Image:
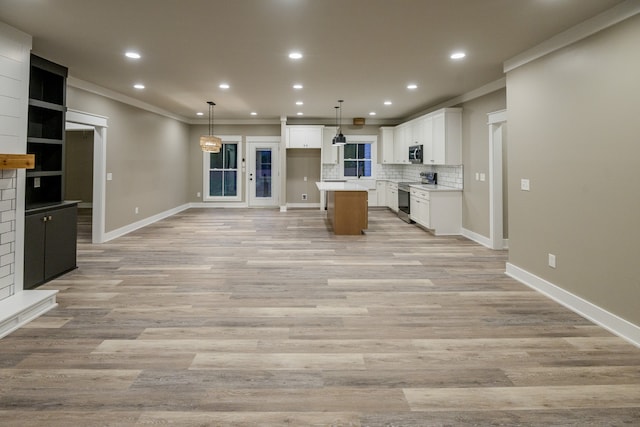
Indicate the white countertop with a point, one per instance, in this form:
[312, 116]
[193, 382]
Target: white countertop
[427, 187]
[340, 186]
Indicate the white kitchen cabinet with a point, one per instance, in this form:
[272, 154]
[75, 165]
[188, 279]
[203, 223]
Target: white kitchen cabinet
[381, 191]
[385, 145]
[304, 136]
[329, 151]
[438, 211]
[419, 202]
[446, 140]
[392, 196]
[401, 138]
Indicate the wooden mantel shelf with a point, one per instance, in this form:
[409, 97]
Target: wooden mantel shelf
[17, 161]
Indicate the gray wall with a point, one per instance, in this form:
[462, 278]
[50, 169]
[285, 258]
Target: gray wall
[303, 163]
[78, 162]
[475, 157]
[147, 154]
[574, 132]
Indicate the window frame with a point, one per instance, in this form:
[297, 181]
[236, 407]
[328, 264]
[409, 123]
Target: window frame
[206, 168]
[361, 139]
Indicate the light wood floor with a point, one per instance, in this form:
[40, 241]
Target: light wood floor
[256, 317]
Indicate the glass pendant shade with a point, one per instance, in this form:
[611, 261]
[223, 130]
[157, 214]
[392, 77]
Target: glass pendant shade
[210, 143]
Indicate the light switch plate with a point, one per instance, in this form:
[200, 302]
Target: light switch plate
[524, 184]
[483, 177]
[109, 176]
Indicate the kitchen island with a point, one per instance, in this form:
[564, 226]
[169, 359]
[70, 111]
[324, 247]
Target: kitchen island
[347, 207]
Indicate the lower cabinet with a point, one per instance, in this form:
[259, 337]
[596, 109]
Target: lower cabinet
[392, 196]
[438, 211]
[50, 243]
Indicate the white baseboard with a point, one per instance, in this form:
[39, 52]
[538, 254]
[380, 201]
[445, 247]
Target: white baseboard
[218, 205]
[584, 308]
[484, 241]
[478, 238]
[303, 205]
[21, 308]
[143, 223]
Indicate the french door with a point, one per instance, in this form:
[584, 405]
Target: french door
[263, 174]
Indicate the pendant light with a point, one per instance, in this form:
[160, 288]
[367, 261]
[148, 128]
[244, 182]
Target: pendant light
[210, 143]
[339, 139]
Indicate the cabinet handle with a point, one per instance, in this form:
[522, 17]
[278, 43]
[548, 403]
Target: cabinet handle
[50, 218]
[44, 219]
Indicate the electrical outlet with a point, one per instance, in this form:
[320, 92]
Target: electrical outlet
[305, 179]
[524, 184]
[198, 194]
[137, 210]
[552, 261]
[36, 182]
[304, 197]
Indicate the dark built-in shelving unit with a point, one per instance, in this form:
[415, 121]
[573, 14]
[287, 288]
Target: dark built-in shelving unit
[50, 222]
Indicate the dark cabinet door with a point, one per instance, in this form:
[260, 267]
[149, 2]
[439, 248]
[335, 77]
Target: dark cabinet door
[60, 241]
[49, 244]
[34, 233]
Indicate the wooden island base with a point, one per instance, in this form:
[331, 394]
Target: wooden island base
[347, 211]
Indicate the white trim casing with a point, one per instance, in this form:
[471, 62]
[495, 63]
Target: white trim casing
[23, 307]
[584, 308]
[99, 125]
[496, 120]
[226, 139]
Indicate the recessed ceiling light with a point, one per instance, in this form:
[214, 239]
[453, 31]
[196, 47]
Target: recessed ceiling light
[458, 55]
[199, 113]
[297, 86]
[138, 86]
[295, 55]
[388, 102]
[300, 113]
[224, 86]
[253, 113]
[412, 86]
[132, 55]
[373, 113]
[299, 103]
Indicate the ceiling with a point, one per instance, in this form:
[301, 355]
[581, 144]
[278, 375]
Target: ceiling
[362, 51]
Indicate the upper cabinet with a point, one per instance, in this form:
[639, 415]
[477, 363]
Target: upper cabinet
[446, 144]
[439, 133]
[45, 133]
[385, 145]
[304, 136]
[329, 151]
[401, 142]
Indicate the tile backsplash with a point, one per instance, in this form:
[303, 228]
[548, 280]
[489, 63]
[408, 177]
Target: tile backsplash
[450, 176]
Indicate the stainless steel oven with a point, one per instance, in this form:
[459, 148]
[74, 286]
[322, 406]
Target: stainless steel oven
[404, 201]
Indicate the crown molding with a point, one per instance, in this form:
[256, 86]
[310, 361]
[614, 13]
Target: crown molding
[117, 96]
[581, 31]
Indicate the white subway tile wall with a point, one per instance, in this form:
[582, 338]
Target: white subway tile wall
[450, 176]
[7, 232]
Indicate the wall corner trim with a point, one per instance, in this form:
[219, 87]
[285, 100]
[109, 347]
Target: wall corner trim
[614, 324]
[574, 34]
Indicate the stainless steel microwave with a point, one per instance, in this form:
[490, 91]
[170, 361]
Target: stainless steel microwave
[415, 154]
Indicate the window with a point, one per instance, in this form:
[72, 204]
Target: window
[222, 175]
[357, 160]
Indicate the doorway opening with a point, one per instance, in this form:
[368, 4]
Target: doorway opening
[95, 131]
[498, 206]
